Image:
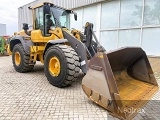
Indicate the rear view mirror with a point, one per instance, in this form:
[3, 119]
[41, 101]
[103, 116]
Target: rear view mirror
[46, 8]
[25, 26]
[75, 16]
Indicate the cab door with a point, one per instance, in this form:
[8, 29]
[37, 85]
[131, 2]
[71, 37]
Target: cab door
[39, 26]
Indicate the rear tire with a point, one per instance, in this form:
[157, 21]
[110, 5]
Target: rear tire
[20, 59]
[69, 65]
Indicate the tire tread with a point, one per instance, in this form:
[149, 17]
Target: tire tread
[73, 65]
[25, 67]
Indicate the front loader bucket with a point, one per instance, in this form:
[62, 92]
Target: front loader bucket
[121, 81]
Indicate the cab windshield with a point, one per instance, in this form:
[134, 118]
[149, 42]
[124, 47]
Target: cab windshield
[60, 16]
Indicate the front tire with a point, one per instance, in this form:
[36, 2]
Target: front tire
[61, 65]
[20, 59]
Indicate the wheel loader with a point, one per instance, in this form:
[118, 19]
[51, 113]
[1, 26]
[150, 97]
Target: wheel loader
[3, 47]
[118, 80]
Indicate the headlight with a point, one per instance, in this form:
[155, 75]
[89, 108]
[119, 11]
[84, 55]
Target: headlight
[52, 28]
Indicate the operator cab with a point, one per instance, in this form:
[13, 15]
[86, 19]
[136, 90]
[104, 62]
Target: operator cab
[49, 16]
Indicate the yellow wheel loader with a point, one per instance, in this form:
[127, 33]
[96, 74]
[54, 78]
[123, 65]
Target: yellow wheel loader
[3, 47]
[8, 46]
[118, 81]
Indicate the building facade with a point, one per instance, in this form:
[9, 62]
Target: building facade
[117, 23]
[2, 29]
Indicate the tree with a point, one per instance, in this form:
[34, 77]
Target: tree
[151, 15]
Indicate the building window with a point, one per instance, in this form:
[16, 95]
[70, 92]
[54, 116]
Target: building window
[131, 23]
[90, 15]
[87, 14]
[129, 38]
[151, 41]
[109, 40]
[109, 15]
[152, 12]
[124, 23]
[77, 24]
[131, 13]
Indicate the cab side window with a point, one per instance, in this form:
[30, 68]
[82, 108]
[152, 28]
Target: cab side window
[39, 23]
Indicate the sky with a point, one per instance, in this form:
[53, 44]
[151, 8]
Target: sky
[9, 14]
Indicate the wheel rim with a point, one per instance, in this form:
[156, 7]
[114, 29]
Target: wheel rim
[17, 58]
[54, 66]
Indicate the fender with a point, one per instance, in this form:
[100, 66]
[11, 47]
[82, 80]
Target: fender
[53, 42]
[77, 45]
[21, 39]
[80, 49]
